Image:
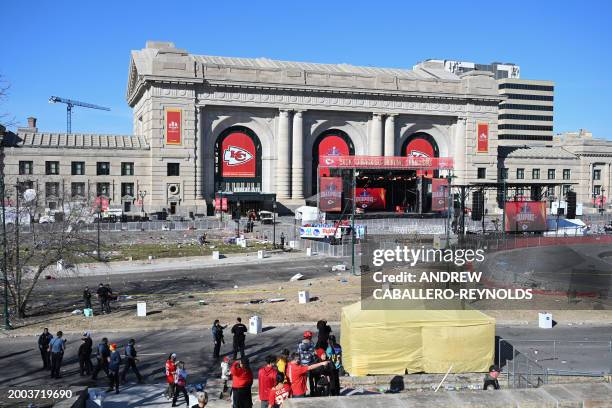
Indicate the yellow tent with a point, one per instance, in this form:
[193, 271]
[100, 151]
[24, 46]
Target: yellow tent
[392, 341]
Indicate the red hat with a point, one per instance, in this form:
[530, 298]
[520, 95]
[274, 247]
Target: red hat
[308, 334]
[113, 346]
[226, 359]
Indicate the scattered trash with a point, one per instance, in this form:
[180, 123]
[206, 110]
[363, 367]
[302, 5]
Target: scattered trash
[296, 277]
[343, 280]
[202, 303]
[276, 300]
[257, 301]
[77, 312]
[339, 267]
[190, 296]
[235, 286]
[49, 277]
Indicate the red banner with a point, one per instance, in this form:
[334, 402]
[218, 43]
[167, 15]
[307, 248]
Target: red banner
[439, 195]
[217, 203]
[101, 203]
[483, 138]
[371, 198]
[239, 156]
[600, 201]
[331, 145]
[173, 126]
[525, 216]
[387, 162]
[224, 204]
[420, 147]
[330, 199]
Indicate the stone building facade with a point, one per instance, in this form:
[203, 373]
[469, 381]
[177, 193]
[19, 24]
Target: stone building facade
[187, 108]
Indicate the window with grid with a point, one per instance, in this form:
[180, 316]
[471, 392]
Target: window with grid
[78, 168]
[173, 169]
[567, 174]
[551, 174]
[103, 168]
[127, 169]
[520, 174]
[127, 189]
[597, 174]
[482, 173]
[103, 189]
[26, 168]
[52, 189]
[51, 168]
[535, 174]
[77, 190]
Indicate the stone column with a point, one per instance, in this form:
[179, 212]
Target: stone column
[297, 160]
[459, 151]
[282, 156]
[390, 135]
[376, 137]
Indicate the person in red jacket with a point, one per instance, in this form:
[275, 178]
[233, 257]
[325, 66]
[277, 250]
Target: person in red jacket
[279, 393]
[267, 380]
[170, 370]
[298, 375]
[242, 380]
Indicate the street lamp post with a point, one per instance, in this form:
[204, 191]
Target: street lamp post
[238, 219]
[274, 224]
[142, 194]
[7, 322]
[601, 201]
[353, 235]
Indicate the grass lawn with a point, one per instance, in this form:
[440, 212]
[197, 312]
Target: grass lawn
[121, 252]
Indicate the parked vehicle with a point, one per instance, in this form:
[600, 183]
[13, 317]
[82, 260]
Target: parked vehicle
[266, 217]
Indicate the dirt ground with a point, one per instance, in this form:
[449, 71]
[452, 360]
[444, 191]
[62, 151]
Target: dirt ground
[328, 296]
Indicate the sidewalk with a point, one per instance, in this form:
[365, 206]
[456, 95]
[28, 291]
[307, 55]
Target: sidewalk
[183, 263]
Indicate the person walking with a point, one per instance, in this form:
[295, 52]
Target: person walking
[114, 363]
[43, 345]
[298, 373]
[239, 331]
[102, 355]
[282, 240]
[266, 379]
[170, 371]
[242, 380]
[180, 383]
[57, 346]
[130, 361]
[490, 379]
[87, 297]
[85, 367]
[217, 333]
[279, 393]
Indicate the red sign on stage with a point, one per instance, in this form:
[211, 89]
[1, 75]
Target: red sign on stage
[173, 126]
[331, 145]
[387, 162]
[220, 203]
[371, 198]
[439, 195]
[420, 147]
[224, 204]
[483, 138]
[525, 216]
[238, 155]
[330, 199]
[217, 203]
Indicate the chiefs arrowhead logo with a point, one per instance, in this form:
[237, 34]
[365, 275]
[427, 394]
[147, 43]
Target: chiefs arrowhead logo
[483, 136]
[416, 153]
[235, 156]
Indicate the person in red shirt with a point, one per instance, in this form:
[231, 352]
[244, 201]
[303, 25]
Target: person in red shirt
[267, 380]
[242, 380]
[279, 393]
[170, 370]
[298, 375]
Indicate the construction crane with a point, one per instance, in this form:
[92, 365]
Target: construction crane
[69, 105]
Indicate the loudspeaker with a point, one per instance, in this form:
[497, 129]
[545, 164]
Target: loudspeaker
[571, 204]
[477, 205]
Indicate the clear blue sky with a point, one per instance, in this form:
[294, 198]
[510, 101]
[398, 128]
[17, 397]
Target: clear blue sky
[81, 50]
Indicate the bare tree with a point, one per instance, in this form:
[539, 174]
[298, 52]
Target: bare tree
[6, 120]
[34, 250]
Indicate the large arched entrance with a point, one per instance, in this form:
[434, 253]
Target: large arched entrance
[332, 142]
[238, 173]
[421, 144]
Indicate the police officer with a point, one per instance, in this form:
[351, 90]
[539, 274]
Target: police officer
[217, 333]
[102, 355]
[56, 348]
[85, 349]
[87, 297]
[43, 345]
[130, 361]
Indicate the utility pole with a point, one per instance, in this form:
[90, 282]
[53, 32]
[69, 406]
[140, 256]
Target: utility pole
[274, 223]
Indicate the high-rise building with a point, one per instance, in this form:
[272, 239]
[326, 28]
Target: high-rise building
[527, 112]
